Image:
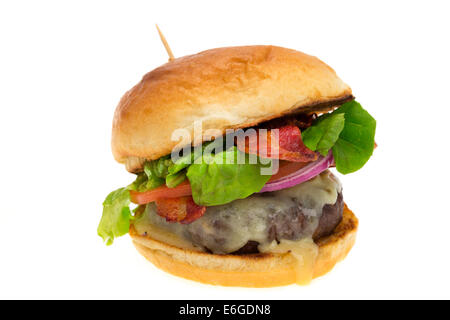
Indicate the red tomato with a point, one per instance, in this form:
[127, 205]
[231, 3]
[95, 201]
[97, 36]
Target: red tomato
[182, 190]
[286, 168]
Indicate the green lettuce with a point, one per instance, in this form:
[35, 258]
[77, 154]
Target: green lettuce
[178, 169]
[324, 133]
[349, 131]
[154, 175]
[174, 179]
[215, 182]
[116, 215]
[183, 162]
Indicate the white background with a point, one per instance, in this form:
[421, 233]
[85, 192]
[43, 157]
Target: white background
[64, 66]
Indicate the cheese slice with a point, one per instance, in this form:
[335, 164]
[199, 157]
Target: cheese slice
[304, 251]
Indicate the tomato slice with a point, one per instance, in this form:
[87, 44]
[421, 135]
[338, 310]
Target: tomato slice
[286, 168]
[182, 190]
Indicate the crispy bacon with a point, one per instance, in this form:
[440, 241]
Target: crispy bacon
[289, 147]
[182, 209]
[194, 211]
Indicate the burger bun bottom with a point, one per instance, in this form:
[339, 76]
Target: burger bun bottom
[251, 270]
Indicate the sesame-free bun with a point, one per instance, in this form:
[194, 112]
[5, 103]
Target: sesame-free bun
[232, 87]
[252, 270]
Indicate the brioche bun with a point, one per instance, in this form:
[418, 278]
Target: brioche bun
[252, 270]
[225, 88]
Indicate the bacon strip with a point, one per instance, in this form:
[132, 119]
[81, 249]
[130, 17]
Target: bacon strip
[289, 147]
[182, 209]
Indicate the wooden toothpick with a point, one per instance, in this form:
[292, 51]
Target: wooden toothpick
[166, 45]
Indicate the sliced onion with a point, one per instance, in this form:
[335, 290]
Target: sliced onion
[304, 174]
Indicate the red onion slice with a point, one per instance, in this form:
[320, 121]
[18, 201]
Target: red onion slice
[304, 174]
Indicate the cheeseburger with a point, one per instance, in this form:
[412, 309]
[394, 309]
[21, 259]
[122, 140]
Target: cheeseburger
[231, 149]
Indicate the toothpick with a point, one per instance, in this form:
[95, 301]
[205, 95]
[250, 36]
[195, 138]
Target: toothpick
[166, 45]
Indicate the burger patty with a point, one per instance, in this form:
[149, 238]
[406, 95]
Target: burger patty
[311, 209]
[290, 226]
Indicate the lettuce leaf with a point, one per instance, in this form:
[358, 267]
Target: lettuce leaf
[144, 183]
[216, 182]
[174, 179]
[116, 215]
[356, 141]
[324, 133]
[154, 175]
[352, 140]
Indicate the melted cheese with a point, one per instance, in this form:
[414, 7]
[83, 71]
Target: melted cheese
[227, 228]
[166, 236]
[305, 253]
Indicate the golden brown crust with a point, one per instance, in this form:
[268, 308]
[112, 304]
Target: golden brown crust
[253, 270]
[233, 87]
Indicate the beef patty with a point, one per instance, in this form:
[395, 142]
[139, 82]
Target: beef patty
[311, 209]
[291, 226]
